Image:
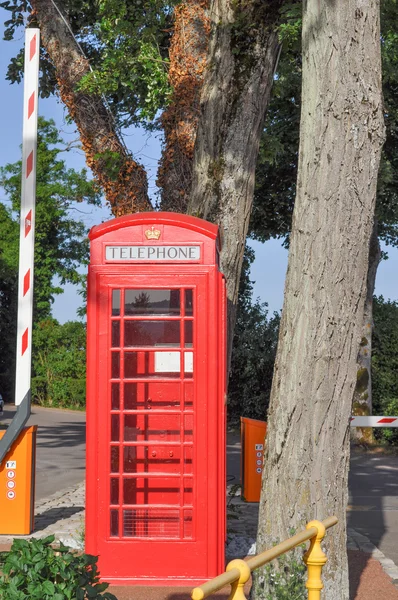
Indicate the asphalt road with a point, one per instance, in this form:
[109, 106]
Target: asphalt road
[373, 502]
[61, 446]
[373, 480]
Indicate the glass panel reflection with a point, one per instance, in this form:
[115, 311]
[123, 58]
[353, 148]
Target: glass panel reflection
[189, 303]
[114, 523]
[115, 368]
[152, 302]
[115, 303]
[115, 334]
[151, 427]
[115, 428]
[188, 333]
[114, 491]
[115, 396]
[114, 459]
[151, 395]
[151, 333]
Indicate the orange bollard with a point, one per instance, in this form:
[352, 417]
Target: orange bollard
[252, 457]
[17, 485]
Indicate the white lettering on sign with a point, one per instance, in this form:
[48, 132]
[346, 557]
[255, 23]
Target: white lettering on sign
[154, 253]
[11, 464]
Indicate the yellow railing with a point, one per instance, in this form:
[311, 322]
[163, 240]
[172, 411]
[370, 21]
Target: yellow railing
[238, 571]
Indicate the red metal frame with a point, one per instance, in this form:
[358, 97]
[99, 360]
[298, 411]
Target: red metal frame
[155, 497]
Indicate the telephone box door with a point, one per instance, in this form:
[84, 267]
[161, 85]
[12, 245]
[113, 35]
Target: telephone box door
[159, 417]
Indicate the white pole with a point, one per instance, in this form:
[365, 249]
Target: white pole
[27, 218]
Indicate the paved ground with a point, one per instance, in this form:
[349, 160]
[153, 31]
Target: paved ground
[372, 574]
[61, 447]
[373, 502]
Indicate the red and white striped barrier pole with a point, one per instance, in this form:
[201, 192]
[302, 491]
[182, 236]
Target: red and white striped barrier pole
[26, 242]
[374, 422]
[27, 219]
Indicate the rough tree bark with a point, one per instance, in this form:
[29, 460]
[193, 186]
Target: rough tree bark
[341, 136]
[123, 181]
[243, 53]
[362, 403]
[188, 54]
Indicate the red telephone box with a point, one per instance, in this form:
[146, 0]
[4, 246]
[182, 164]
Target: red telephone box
[155, 505]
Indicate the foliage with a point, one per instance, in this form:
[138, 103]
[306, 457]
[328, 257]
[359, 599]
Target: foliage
[278, 159]
[127, 46]
[8, 307]
[385, 364]
[59, 378]
[253, 356]
[34, 570]
[60, 241]
[285, 580]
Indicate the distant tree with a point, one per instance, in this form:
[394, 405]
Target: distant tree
[60, 364]
[385, 363]
[60, 242]
[60, 239]
[253, 354]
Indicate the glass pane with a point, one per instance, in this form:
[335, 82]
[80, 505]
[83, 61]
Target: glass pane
[151, 333]
[188, 393]
[130, 459]
[152, 459]
[158, 364]
[145, 396]
[114, 459]
[188, 492]
[152, 427]
[189, 303]
[188, 454]
[115, 303]
[188, 334]
[187, 533]
[188, 364]
[115, 373]
[151, 523]
[115, 396]
[114, 428]
[115, 334]
[157, 490]
[152, 302]
[129, 491]
[114, 523]
[188, 428]
[114, 491]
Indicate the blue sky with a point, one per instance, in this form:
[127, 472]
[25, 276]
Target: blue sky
[269, 268]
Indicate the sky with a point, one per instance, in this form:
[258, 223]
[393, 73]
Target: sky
[269, 268]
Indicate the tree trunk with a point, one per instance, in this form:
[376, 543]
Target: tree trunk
[362, 403]
[243, 53]
[341, 135]
[188, 53]
[123, 181]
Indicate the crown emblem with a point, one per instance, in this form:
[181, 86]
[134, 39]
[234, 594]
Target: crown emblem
[152, 233]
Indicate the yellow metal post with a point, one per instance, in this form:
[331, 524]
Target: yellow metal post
[315, 559]
[237, 586]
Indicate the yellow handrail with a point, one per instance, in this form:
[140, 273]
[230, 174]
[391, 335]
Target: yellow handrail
[238, 571]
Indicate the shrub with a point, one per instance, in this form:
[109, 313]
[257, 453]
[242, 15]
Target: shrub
[35, 570]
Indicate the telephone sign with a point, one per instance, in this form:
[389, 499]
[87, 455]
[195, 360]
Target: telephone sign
[155, 506]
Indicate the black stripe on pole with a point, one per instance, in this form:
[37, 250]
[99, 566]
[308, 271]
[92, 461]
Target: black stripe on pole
[16, 426]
